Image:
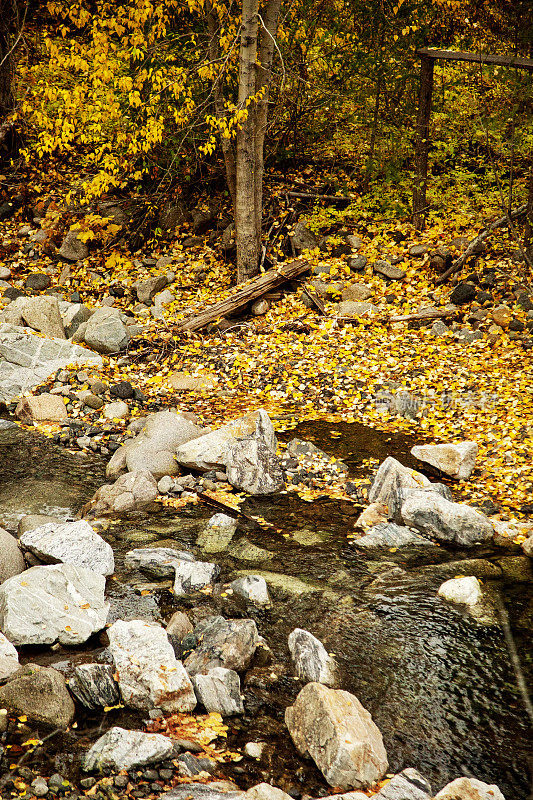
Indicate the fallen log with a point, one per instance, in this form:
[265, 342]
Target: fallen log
[436, 313]
[479, 239]
[313, 297]
[244, 294]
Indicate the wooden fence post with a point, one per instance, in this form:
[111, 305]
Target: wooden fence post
[422, 140]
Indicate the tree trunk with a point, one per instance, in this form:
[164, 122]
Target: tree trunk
[8, 25]
[246, 233]
[528, 230]
[422, 141]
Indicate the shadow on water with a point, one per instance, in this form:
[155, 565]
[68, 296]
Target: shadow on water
[439, 684]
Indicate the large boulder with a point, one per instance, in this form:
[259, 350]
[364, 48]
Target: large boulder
[120, 749]
[337, 732]
[252, 467]
[11, 558]
[105, 332]
[70, 543]
[312, 661]
[154, 449]
[219, 690]
[41, 694]
[469, 789]
[211, 450]
[456, 460]
[27, 360]
[59, 602]
[9, 659]
[149, 675]
[392, 476]
[433, 515]
[223, 643]
[131, 492]
[39, 313]
[41, 408]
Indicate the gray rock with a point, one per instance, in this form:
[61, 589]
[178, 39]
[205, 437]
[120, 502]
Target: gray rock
[223, 643]
[337, 732]
[131, 492]
[527, 546]
[39, 787]
[179, 625]
[210, 451]
[30, 521]
[9, 660]
[154, 448]
[41, 694]
[149, 675]
[157, 562]
[73, 315]
[118, 409]
[147, 290]
[469, 789]
[400, 495]
[389, 534]
[441, 519]
[264, 791]
[312, 661]
[253, 588]
[39, 313]
[217, 533]
[41, 408]
[357, 263]
[357, 292]
[120, 749]
[72, 249]
[201, 791]
[27, 360]
[70, 543]
[191, 576]
[11, 558]
[392, 476]
[407, 785]
[59, 602]
[94, 686]
[348, 308]
[219, 690]
[105, 331]
[303, 238]
[457, 460]
[386, 269]
[252, 467]
[418, 250]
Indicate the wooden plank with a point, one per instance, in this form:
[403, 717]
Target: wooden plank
[244, 294]
[422, 141]
[516, 62]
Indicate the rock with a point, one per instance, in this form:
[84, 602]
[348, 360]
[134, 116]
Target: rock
[469, 789]
[527, 546]
[37, 282]
[386, 269]
[72, 249]
[303, 238]
[105, 331]
[131, 492]
[418, 250]
[123, 390]
[39, 313]
[252, 467]
[260, 307]
[357, 263]
[149, 675]
[119, 749]
[41, 694]
[59, 602]
[154, 449]
[253, 588]
[223, 643]
[181, 382]
[456, 460]
[464, 591]
[179, 625]
[147, 290]
[27, 360]
[312, 661]
[502, 316]
[463, 293]
[357, 292]
[157, 562]
[432, 514]
[327, 290]
[392, 476]
[219, 690]
[265, 791]
[210, 450]
[349, 309]
[407, 785]
[254, 749]
[70, 543]
[372, 515]
[11, 558]
[9, 660]
[202, 791]
[400, 495]
[30, 521]
[191, 576]
[332, 727]
[41, 408]
[39, 787]
[94, 686]
[217, 533]
[389, 534]
[116, 410]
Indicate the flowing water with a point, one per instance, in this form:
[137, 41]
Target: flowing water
[439, 684]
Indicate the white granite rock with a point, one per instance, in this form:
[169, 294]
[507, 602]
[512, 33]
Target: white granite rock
[9, 659]
[312, 661]
[121, 749]
[463, 591]
[392, 476]
[158, 562]
[191, 576]
[219, 690]
[456, 460]
[252, 467]
[74, 543]
[433, 515]
[469, 789]
[253, 588]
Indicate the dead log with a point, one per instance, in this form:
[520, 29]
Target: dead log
[315, 299]
[244, 294]
[332, 198]
[424, 314]
[479, 239]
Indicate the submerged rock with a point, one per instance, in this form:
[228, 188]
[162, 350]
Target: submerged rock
[223, 643]
[253, 588]
[464, 591]
[432, 514]
[59, 602]
[312, 661]
[469, 789]
[219, 689]
[149, 675]
[94, 685]
[120, 749]
[217, 533]
[41, 694]
[338, 733]
[157, 562]
[70, 543]
[191, 576]
[456, 460]
[389, 534]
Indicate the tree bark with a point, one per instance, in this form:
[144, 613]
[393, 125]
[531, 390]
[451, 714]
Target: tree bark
[422, 141]
[246, 234]
[528, 230]
[8, 26]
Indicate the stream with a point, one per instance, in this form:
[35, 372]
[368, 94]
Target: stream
[439, 684]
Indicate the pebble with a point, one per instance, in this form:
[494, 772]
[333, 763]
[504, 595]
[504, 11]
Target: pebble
[39, 787]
